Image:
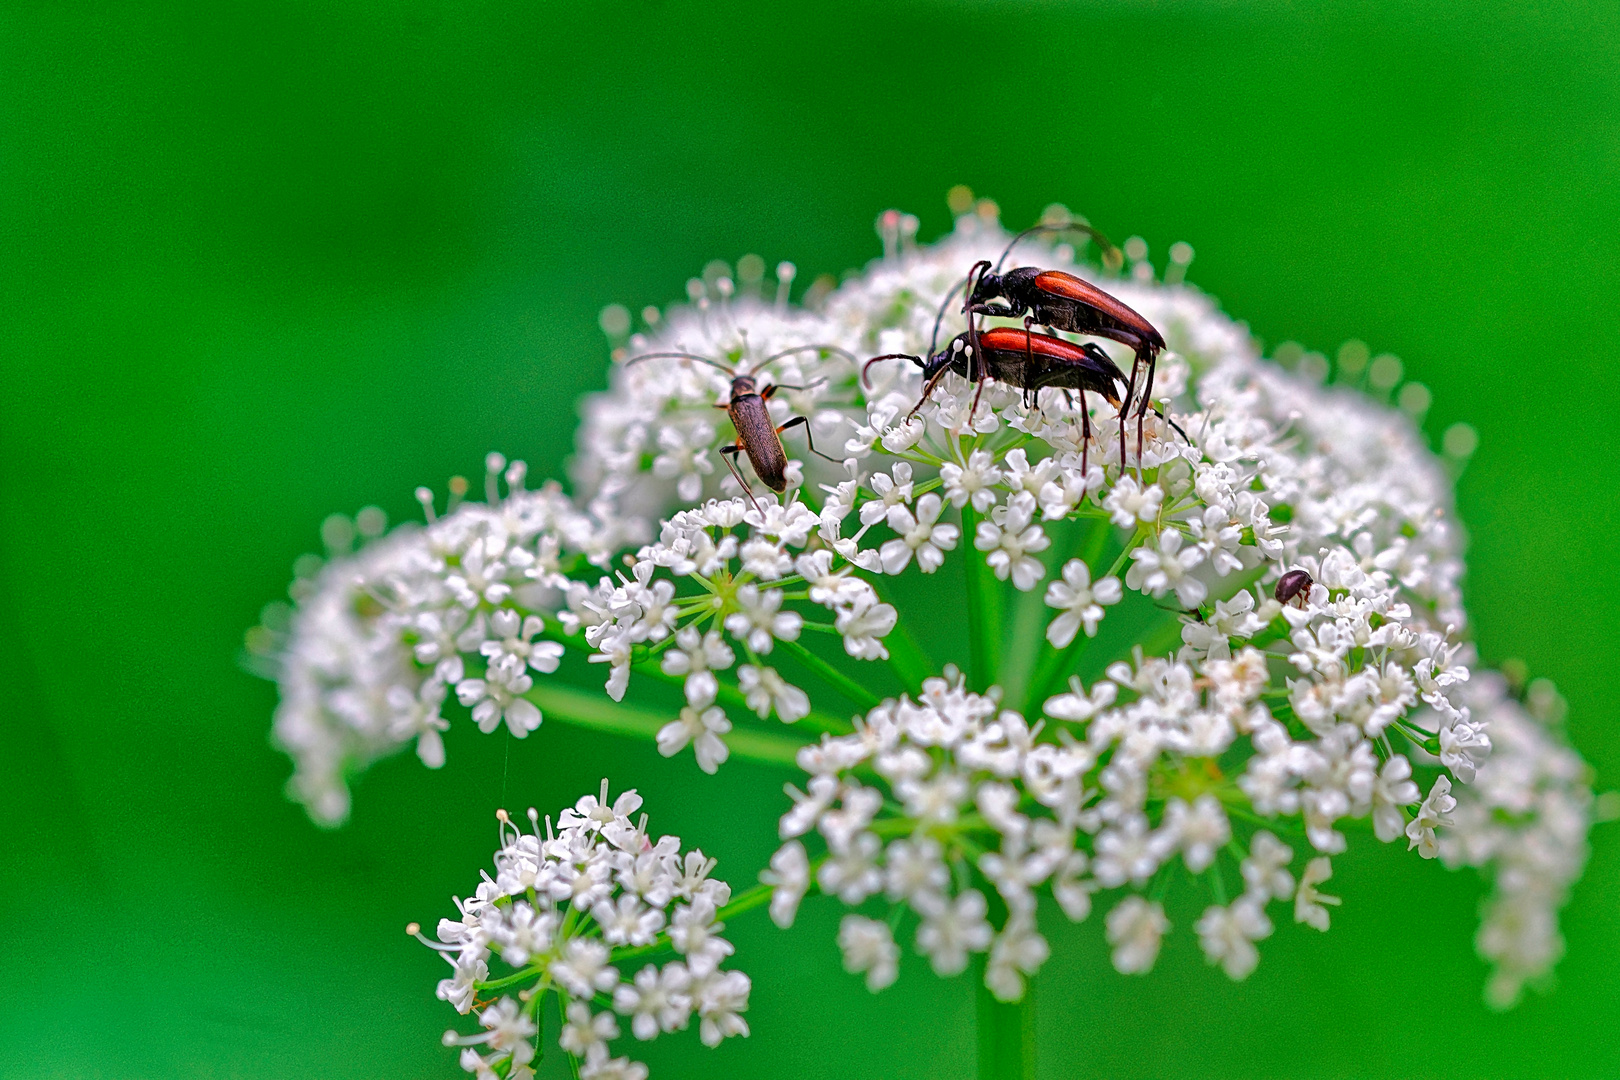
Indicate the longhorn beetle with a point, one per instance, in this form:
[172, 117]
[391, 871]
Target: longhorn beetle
[1024, 359]
[750, 415]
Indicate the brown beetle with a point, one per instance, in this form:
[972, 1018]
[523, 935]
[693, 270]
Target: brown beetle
[750, 414]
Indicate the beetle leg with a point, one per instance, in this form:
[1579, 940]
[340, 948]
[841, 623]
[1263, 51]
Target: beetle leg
[1124, 410]
[927, 389]
[795, 422]
[1000, 311]
[1085, 436]
[1030, 389]
[976, 395]
[1141, 410]
[729, 455]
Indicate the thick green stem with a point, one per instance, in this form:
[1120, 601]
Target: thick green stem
[1006, 1036]
[599, 714]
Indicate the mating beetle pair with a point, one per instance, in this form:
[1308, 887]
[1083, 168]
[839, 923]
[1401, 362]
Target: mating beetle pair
[1056, 301]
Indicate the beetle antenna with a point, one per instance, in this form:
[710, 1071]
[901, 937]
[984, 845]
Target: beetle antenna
[774, 357]
[1110, 252]
[933, 342]
[888, 356]
[679, 356]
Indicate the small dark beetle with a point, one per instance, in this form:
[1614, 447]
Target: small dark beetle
[757, 435]
[1294, 585]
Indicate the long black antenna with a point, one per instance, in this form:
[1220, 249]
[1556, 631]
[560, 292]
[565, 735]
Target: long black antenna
[774, 357]
[1112, 256]
[680, 356]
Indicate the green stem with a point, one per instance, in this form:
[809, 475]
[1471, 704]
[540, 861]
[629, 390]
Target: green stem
[906, 657]
[728, 695]
[984, 608]
[599, 714]
[1006, 1036]
[750, 898]
[845, 685]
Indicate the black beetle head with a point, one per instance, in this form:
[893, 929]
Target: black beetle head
[986, 285]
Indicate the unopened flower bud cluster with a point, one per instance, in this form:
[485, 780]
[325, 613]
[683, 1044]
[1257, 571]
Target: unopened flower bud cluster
[565, 913]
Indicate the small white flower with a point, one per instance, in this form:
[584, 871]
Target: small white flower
[695, 935]
[702, 728]
[1157, 570]
[915, 868]
[1227, 936]
[1308, 903]
[1199, 830]
[864, 624]
[852, 873]
[1135, 929]
[952, 928]
[1463, 746]
[698, 656]
[1210, 639]
[891, 493]
[1080, 601]
[656, 1001]
[598, 1066]
[583, 1032]
[764, 689]
[1127, 852]
[628, 922]
[583, 968]
[1011, 543]
[513, 634]
[761, 622]
[461, 989]
[1018, 951]
[1265, 873]
[498, 696]
[972, 482]
[789, 876]
[919, 535]
[869, 947]
[1435, 812]
[1393, 790]
[720, 1000]
[1130, 503]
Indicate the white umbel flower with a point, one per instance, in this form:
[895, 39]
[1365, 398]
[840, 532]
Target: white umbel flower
[518, 912]
[1341, 705]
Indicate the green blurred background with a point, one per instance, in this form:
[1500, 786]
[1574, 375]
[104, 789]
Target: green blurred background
[262, 262]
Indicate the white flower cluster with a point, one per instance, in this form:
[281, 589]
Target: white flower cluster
[380, 638]
[1524, 822]
[563, 910]
[481, 600]
[741, 588]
